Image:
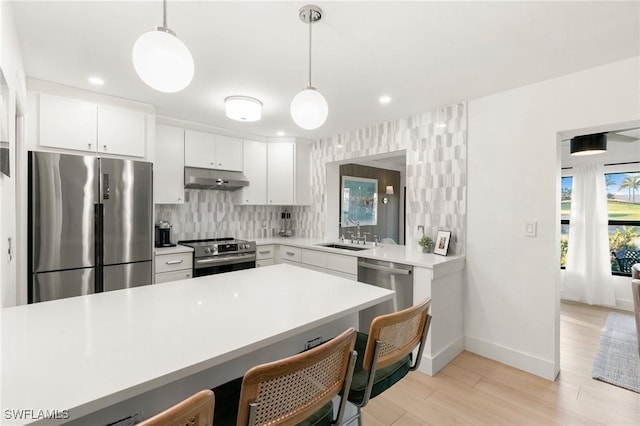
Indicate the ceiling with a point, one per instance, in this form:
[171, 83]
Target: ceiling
[623, 146]
[421, 54]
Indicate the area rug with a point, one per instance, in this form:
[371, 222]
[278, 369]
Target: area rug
[617, 361]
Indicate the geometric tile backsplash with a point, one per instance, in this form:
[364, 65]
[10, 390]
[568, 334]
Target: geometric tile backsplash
[436, 146]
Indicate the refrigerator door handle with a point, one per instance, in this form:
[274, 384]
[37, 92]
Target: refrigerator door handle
[105, 186]
[99, 216]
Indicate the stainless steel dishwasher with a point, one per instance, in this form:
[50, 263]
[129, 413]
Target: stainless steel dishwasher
[389, 275]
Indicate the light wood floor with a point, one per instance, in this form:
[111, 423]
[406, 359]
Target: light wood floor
[476, 390]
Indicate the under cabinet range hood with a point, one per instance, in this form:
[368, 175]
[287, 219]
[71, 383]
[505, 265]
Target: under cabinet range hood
[196, 178]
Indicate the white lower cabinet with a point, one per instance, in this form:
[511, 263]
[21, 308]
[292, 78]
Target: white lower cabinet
[173, 266]
[289, 254]
[265, 255]
[330, 263]
[165, 277]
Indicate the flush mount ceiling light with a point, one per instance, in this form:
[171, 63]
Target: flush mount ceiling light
[589, 144]
[243, 108]
[309, 109]
[161, 60]
[384, 99]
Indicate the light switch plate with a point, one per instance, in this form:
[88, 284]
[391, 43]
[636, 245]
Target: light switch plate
[530, 229]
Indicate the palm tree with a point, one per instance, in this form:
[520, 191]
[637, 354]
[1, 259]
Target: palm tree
[632, 183]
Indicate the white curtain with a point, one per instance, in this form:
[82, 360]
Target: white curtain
[588, 270]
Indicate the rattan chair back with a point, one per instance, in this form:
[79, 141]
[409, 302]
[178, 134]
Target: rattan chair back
[197, 410]
[288, 391]
[398, 334]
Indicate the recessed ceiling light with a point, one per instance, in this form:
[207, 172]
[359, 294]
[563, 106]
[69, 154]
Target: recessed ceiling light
[96, 81]
[280, 133]
[339, 146]
[385, 99]
[441, 125]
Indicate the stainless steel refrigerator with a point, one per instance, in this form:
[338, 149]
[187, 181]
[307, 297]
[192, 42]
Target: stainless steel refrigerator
[90, 225]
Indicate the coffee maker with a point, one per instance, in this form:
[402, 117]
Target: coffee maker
[163, 234]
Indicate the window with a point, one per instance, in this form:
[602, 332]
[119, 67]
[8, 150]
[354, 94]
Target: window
[623, 193]
[565, 215]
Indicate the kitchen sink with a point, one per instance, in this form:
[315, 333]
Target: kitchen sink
[343, 247]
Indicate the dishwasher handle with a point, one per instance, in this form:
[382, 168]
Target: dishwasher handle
[385, 268]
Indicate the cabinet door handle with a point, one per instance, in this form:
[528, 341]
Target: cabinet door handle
[89, 146]
[219, 164]
[265, 252]
[174, 262]
[105, 147]
[211, 164]
[290, 253]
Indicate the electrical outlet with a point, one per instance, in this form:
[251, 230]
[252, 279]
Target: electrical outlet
[313, 343]
[421, 228]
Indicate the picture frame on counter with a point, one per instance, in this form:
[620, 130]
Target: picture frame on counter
[442, 243]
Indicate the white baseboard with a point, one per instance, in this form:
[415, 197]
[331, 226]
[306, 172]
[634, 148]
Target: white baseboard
[431, 365]
[626, 305]
[522, 361]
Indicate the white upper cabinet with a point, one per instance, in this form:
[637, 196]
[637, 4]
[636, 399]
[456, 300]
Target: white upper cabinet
[84, 126]
[121, 131]
[67, 123]
[280, 173]
[199, 149]
[255, 169]
[229, 153]
[211, 151]
[168, 169]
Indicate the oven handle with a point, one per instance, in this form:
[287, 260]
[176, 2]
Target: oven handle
[227, 259]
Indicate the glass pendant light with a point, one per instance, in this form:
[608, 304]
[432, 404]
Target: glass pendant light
[162, 60]
[309, 109]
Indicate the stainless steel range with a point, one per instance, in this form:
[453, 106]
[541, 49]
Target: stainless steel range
[217, 255]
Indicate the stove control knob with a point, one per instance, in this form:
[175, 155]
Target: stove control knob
[207, 250]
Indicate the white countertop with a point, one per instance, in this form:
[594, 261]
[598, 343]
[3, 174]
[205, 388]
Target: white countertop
[87, 353]
[158, 251]
[441, 265]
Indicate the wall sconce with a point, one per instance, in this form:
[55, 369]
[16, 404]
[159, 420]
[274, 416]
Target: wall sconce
[389, 191]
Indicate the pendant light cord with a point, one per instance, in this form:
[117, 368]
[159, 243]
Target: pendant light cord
[164, 13]
[310, 24]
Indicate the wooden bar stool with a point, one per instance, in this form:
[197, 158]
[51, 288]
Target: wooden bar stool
[384, 356]
[294, 390]
[197, 410]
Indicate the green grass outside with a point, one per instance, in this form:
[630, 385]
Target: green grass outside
[623, 211]
[617, 210]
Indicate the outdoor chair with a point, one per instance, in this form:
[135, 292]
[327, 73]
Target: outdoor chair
[626, 258]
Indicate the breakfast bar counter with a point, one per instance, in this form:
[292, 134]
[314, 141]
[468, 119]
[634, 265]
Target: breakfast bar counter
[73, 357]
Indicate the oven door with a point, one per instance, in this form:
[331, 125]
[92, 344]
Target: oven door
[223, 263]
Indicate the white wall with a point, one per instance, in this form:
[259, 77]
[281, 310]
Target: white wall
[13, 69]
[512, 297]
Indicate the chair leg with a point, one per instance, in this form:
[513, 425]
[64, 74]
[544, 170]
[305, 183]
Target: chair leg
[359, 416]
